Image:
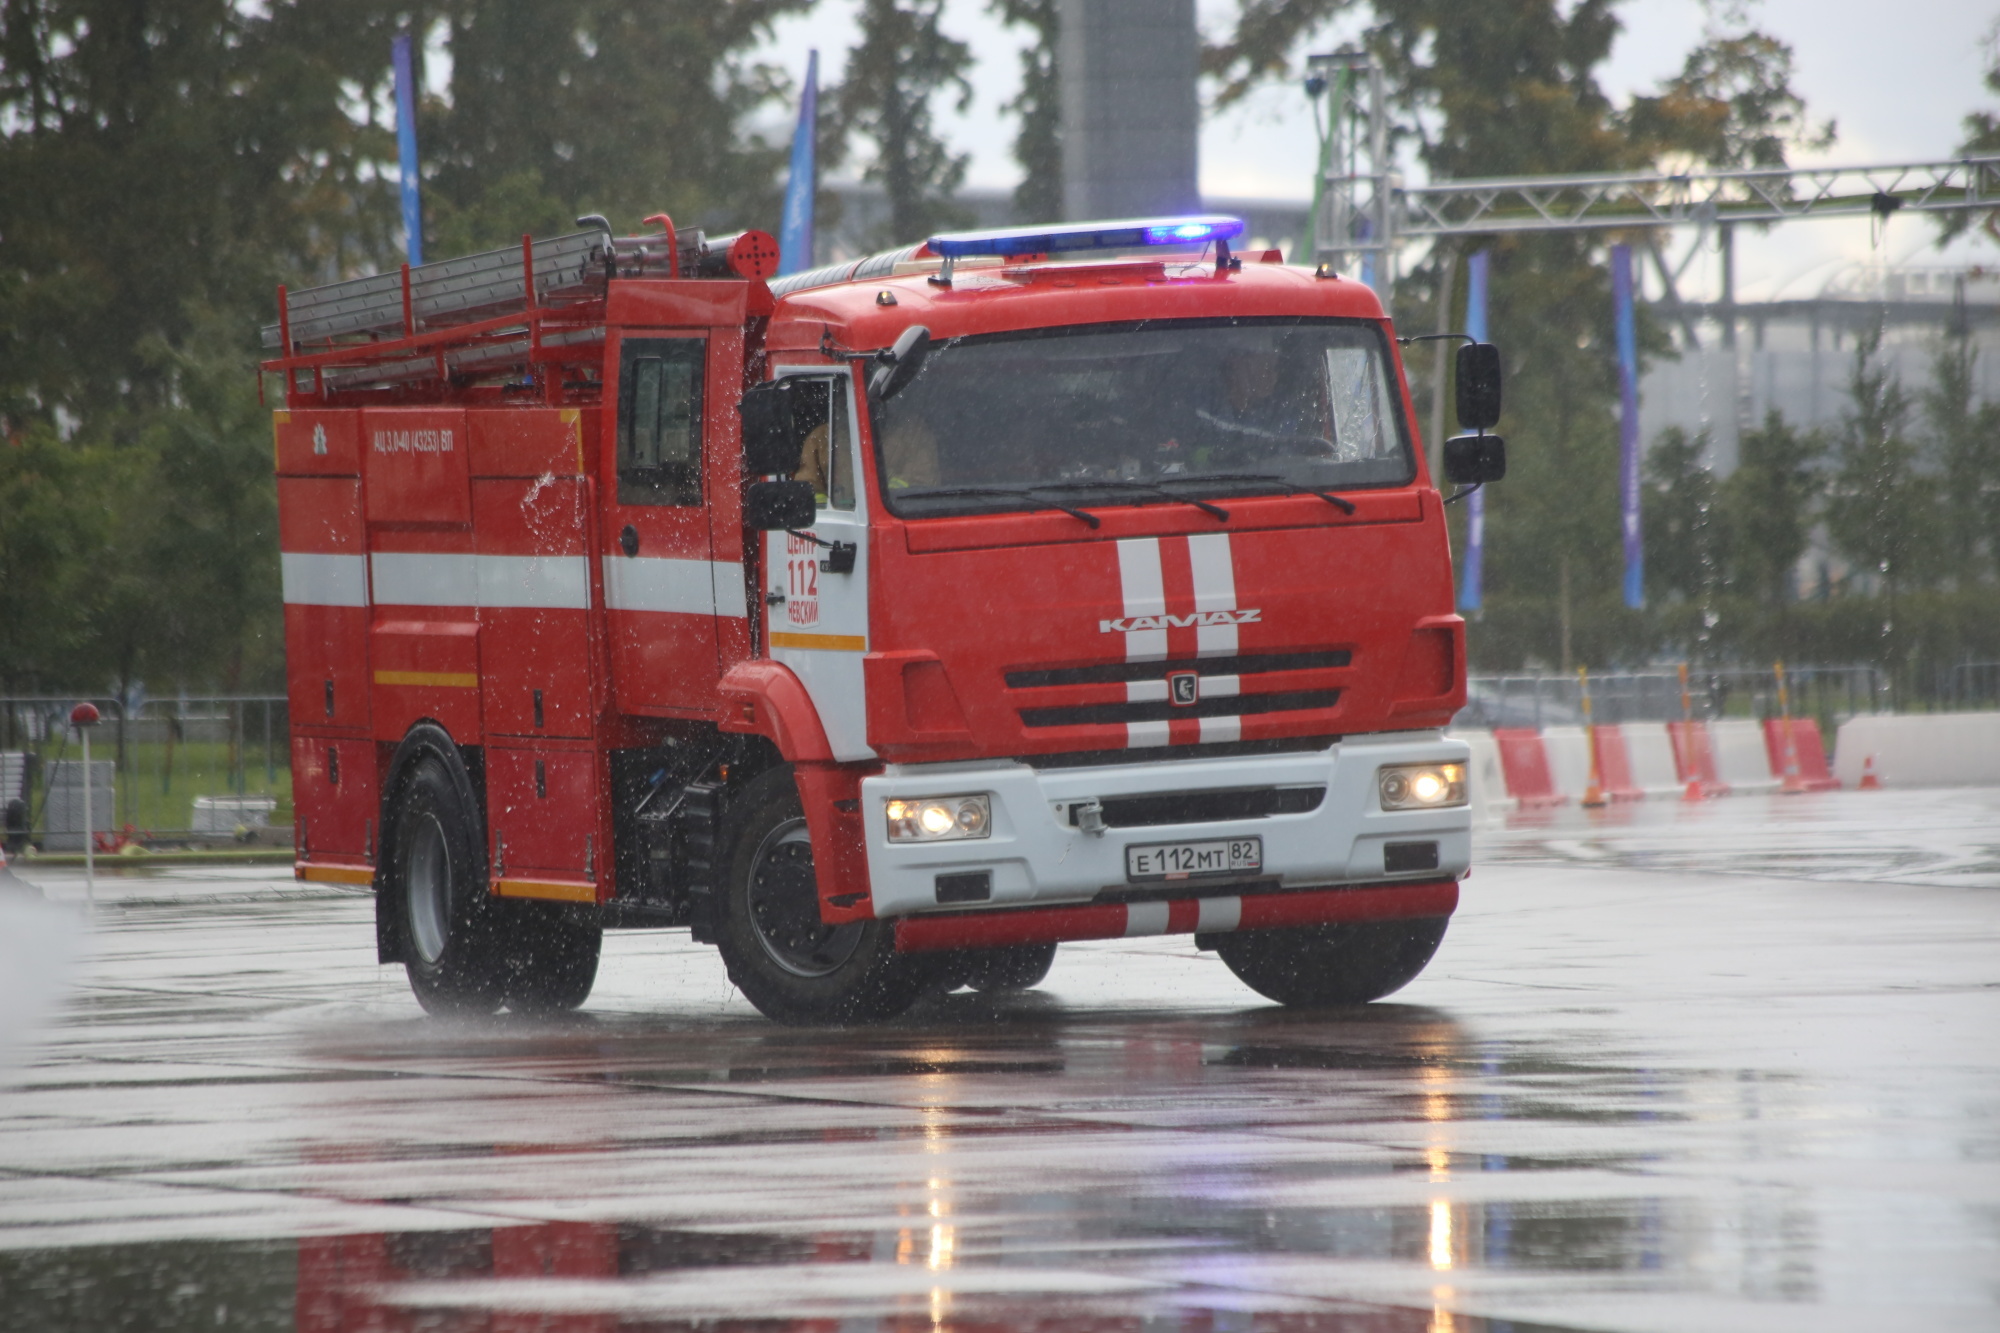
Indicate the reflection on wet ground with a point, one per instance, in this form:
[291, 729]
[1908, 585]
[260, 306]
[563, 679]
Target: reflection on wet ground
[1642, 1088]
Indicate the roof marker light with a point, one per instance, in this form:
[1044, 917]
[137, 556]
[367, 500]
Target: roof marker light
[1129, 233]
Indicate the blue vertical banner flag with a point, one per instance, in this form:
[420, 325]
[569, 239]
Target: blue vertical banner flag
[406, 147]
[1472, 574]
[795, 234]
[1628, 425]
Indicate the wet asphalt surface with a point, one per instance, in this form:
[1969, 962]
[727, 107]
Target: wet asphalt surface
[1729, 1066]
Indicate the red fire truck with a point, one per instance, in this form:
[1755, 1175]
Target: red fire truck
[886, 624]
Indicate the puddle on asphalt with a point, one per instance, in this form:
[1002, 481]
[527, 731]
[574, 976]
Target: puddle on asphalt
[597, 1278]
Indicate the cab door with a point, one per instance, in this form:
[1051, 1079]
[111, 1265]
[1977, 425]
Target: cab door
[663, 584]
[816, 584]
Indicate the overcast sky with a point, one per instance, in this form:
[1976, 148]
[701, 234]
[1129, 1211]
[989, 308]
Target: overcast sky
[1897, 79]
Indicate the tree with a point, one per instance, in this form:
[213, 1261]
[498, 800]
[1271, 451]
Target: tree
[1965, 447]
[1038, 143]
[1883, 510]
[904, 61]
[158, 154]
[52, 518]
[1982, 135]
[1683, 524]
[1768, 507]
[619, 107]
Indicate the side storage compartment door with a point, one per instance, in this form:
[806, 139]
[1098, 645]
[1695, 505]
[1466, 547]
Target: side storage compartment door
[666, 579]
[538, 656]
[547, 808]
[423, 578]
[335, 803]
[323, 561]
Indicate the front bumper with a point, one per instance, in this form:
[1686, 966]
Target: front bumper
[1036, 855]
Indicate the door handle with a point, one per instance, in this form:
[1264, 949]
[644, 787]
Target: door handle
[628, 540]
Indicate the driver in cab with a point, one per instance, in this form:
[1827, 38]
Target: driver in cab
[1251, 415]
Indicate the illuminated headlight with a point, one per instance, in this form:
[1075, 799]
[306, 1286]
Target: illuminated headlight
[1421, 786]
[939, 818]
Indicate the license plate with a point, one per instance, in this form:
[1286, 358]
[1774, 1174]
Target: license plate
[1194, 860]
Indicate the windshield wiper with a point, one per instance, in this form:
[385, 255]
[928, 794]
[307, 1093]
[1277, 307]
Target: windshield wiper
[1290, 487]
[1025, 492]
[1125, 484]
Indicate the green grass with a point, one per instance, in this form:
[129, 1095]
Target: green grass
[154, 796]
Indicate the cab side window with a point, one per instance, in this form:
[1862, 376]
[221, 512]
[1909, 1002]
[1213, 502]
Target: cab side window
[659, 421]
[827, 461]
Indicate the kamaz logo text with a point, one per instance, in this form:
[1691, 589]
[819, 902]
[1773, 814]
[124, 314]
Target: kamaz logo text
[1125, 624]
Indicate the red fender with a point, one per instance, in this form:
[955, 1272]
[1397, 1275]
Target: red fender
[765, 699]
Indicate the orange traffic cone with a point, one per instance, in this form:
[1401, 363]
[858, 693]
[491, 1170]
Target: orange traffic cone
[1869, 782]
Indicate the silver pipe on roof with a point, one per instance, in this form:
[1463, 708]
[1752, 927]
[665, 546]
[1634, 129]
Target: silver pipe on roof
[848, 270]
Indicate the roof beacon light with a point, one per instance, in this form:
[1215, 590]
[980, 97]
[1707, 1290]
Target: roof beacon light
[1129, 233]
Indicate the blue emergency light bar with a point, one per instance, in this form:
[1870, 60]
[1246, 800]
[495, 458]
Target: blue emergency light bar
[1122, 235]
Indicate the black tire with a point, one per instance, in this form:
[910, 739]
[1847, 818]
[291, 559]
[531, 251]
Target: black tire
[550, 960]
[1016, 967]
[1343, 963]
[438, 877]
[789, 964]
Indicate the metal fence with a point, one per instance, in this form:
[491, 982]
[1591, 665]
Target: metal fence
[164, 755]
[1971, 685]
[1830, 694]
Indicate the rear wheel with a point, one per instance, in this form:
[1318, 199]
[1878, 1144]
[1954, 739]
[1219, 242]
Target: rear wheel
[1016, 967]
[794, 967]
[448, 920]
[1342, 963]
[550, 960]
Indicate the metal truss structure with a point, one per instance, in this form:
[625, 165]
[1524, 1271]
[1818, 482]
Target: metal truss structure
[1363, 214]
[1704, 198]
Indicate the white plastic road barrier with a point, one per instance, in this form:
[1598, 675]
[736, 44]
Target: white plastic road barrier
[226, 814]
[1741, 758]
[1652, 753]
[1921, 749]
[1490, 801]
[1569, 759]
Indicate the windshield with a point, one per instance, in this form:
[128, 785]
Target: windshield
[1143, 413]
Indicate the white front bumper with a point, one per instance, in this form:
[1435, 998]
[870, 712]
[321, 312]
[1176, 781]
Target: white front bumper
[1035, 855]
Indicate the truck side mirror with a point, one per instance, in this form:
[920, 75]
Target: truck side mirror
[1471, 460]
[899, 364]
[779, 504]
[1478, 386]
[773, 440]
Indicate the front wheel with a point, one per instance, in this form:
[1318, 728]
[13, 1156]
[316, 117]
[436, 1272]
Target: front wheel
[794, 967]
[1341, 963]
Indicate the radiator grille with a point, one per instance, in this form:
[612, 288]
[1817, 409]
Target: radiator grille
[1109, 673]
[1234, 705]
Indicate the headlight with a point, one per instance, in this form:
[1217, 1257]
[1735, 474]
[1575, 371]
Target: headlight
[939, 818]
[1421, 786]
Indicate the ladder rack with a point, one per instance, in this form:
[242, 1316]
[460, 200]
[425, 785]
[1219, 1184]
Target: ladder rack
[451, 291]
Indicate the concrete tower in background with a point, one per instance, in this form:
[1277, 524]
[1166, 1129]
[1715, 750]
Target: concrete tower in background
[1130, 115]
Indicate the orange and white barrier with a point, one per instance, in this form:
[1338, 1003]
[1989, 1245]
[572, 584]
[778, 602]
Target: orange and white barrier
[1651, 751]
[1694, 760]
[1488, 783]
[1525, 761]
[1741, 760]
[1920, 749]
[1568, 751]
[1792, 745]
[1614, 764]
